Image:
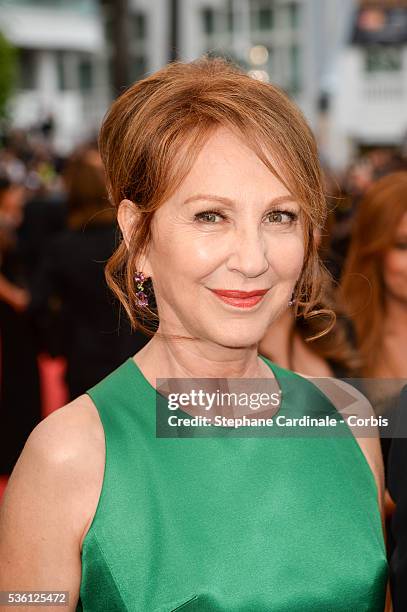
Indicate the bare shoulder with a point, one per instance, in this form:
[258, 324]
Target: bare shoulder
[61, 468]
[349, 401]
[71, 432]
[50, 500]
[70, 440]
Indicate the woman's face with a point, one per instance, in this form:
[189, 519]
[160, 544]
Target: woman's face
[231, 225]
[395, 264]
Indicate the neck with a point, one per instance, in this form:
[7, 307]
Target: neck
[166, 358]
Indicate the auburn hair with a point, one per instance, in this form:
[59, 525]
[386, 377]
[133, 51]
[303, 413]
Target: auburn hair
[362, 290]
[152, 134]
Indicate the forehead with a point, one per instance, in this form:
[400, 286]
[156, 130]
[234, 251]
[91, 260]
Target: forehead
[226, 166]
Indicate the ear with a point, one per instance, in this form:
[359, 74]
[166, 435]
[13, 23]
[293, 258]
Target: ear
[127, 216]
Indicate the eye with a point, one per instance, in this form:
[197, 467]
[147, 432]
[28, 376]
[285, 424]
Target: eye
[282, 216]
[209, 216]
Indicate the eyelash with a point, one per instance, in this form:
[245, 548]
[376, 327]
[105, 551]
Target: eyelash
[198, 217]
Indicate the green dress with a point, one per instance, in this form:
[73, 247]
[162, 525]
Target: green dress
[229, 523]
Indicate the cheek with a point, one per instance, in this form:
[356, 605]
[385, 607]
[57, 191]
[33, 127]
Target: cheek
[184, 254]
[179, 260]
[286, 255]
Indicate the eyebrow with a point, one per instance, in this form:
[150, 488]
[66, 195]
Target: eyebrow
[214, 198]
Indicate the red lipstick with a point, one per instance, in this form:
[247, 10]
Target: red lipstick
[240, 299]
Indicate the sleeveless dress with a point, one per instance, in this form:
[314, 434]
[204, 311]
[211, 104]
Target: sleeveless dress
[227, 523]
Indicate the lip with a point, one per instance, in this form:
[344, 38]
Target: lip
[233, 293]
[240, 299]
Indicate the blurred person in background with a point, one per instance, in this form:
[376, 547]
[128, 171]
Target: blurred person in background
[373, 291]
[358, 178]
[20, 400]
[70, 296]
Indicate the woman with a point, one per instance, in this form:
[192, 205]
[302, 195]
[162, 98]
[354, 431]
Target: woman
[373, 289]
[223, 233]
[374, 279]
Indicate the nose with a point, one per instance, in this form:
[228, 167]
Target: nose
[248, 252]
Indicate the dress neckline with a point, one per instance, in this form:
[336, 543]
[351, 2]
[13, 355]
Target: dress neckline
[273, 367]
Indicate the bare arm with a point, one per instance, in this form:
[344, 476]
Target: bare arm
[50, 499]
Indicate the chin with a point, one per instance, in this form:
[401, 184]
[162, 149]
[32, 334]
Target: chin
[237, 338]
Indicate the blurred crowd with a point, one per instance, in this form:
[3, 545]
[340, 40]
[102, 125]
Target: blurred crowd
[57, 231]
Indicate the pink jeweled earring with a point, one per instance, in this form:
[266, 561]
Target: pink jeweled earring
[292, 301]
[142, 299]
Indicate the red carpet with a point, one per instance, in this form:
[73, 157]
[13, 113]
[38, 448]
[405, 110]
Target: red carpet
[53, 391]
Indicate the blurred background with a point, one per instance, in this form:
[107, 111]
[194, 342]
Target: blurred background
[62, 63]
[343, 61]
